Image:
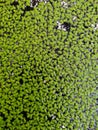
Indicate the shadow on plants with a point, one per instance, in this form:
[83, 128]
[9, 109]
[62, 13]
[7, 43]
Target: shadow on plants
[63, 94]
[12, 120]
[1, 2]
[96, 101]
[22, 72]
[21, 81]
[27, 8]
[25, 115]
[49, 118]
[58, 51]
[15, 3]
[3, 116]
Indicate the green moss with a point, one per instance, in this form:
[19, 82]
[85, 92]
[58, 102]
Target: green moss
[48, 76]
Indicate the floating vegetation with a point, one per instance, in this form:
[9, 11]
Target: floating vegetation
[48, 65]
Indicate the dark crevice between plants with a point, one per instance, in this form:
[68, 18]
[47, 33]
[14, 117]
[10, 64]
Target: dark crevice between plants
[58, 51]
[2, 2]
[22, 72]
[12, 120]
[51, 4]
[57, 92]
[15, 3]
[3, 116]
[66, 25]
[85, 25]
[63, 94]
[49, 118]
[6, 127]
[27, 8]
[71, 120]
[24, 113]
[39, 72]
[61, 77]
[0, 84]
[21, 81]
[38, 90]
[96, 101]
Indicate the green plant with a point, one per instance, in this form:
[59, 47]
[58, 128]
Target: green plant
[48, 76]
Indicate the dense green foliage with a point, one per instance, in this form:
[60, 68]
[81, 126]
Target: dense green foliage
[48, 76]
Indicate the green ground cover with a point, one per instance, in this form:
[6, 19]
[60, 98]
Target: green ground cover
[48, 65]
